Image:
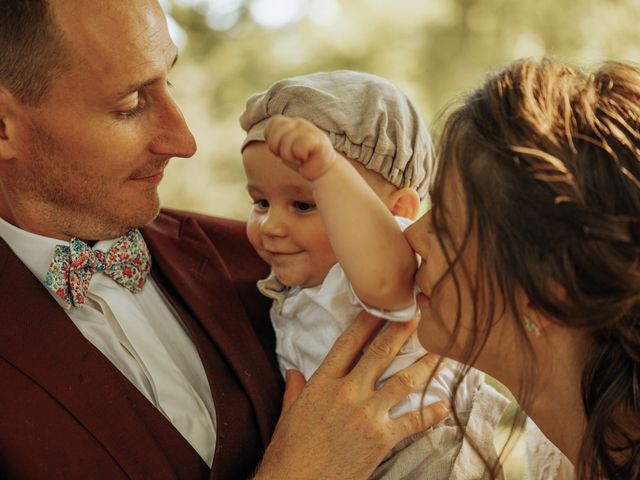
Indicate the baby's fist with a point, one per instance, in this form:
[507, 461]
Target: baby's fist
[300, 144]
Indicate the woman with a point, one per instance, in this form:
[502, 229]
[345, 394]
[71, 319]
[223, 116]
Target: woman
[531, 252]
[530, 272]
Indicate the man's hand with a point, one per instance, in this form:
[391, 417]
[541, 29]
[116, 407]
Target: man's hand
[339, 426]
[301, 145]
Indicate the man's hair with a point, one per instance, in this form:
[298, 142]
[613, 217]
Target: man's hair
[32, 50]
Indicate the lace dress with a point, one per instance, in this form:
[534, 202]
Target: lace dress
[444, 453]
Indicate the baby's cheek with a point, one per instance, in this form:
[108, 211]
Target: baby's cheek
[253, 235]
[328, 257]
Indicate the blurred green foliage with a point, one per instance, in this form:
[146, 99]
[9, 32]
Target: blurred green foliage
[433, 49]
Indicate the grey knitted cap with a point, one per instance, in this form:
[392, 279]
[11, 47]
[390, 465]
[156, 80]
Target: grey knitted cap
[367, 118]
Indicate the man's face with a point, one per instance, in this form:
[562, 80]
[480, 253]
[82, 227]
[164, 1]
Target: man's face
[90, 157]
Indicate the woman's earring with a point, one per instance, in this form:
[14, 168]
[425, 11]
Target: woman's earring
[531, 326]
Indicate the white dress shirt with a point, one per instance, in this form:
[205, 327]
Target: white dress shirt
[141, 335]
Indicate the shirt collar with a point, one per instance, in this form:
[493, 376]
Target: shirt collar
[36, 251]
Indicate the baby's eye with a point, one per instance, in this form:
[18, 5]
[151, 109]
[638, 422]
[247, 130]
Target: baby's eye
[261, 204]
[304, 206]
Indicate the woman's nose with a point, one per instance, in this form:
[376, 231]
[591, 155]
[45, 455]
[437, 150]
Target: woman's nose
[418, 232]
[409, 233]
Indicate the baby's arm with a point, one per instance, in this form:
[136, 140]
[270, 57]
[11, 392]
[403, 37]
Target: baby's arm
[366, 239]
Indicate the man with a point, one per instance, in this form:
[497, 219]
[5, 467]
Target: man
[106, 372]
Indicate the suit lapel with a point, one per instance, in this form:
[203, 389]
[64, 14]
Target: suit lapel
[189, 260]
[36, 335]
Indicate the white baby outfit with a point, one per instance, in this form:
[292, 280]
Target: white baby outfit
[307, 322]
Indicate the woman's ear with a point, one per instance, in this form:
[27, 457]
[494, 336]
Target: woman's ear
[404, 202]
[527, 314]
[532, 323]
[535, 321]
[7, 150]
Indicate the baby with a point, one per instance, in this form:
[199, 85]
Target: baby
[336, 165]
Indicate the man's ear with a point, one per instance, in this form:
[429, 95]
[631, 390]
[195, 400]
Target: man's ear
[7, 125]
[404, 202]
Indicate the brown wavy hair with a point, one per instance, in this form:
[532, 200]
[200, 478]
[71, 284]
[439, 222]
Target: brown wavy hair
[549, 162]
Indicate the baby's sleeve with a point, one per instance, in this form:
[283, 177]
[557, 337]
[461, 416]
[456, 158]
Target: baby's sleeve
[403, 315]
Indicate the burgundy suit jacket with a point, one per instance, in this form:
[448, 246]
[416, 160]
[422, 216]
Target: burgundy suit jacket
[66, 412]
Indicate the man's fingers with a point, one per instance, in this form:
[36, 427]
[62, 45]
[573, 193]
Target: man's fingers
[348, 346]
[417, 421]
[383, 350]
[295, 382]
[407, 380]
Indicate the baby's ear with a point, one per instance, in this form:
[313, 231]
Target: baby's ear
[404, 202]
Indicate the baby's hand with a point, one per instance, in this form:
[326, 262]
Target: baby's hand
[301, 145]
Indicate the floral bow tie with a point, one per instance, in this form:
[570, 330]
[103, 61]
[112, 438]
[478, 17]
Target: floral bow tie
[127, 262]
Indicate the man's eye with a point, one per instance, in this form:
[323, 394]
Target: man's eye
[141, 104]
[304, 206]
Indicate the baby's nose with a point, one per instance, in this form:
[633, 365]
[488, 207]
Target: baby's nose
[274, 225]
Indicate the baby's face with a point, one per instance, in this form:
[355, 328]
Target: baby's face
[284, 226]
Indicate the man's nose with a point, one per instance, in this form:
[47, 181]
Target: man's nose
[174, 138]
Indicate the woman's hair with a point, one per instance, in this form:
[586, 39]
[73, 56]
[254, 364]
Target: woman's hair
[548, 160]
